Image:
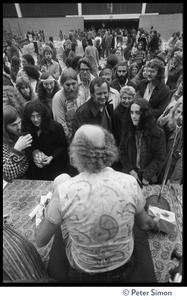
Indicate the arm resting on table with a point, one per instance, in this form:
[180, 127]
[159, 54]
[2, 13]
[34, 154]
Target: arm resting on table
[44, 232]
[146, 222]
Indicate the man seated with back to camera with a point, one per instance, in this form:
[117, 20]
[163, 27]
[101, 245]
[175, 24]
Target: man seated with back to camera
[96, 212]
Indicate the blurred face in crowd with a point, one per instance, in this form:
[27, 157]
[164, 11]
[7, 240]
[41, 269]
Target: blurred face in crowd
[126, 99]
[152, 74]
[36, 119]
[180, 88]
[108, 76]
[49, 86]
[118, 52]
[84, 72]
[139, 47]
[144, 73]
[134, 71]
[101, 94]
[15, 127]
[121, 74]
[48, 56]
[25, 91]
[24, 62]
[71, 88]
[135, 113]
[179, 112]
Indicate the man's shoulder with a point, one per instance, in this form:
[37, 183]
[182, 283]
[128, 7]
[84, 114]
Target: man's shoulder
[85, 107]
[59, 95]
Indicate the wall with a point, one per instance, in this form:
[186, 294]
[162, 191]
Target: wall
[164, 24]
[51, 26]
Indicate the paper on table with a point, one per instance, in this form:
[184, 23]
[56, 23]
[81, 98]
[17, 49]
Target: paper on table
[4, 183]
[167, 222]
[43, 200]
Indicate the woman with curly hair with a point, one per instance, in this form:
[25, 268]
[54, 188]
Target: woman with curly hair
[153, 89]
[47, 88]
[49, 150]
[143, 143]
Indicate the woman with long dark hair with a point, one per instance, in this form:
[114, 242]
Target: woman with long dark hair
[15, 163]
[49, 150]
[143, 144]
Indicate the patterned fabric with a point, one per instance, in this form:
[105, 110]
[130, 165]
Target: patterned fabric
[15, 163]
[20, 258]
[22, 196]
[19, 199]
[97, 216]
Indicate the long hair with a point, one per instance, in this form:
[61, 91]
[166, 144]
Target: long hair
[146, 121]
[10, 115]
[42, 94]
[133, 65]
[85, 156]
[35, 106]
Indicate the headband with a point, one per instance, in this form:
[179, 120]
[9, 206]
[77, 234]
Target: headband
[50, 78]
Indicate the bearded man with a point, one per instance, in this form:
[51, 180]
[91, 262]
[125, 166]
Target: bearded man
[67, 100]
[122, 72]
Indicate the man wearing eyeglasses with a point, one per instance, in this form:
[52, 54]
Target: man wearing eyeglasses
[85, 77]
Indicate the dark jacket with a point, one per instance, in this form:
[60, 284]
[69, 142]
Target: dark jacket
[159, 98]
[173, 76]
[154, 157]
[51, 142]
[118, 117]
[89, 113]
[153, 44]
[115, 85]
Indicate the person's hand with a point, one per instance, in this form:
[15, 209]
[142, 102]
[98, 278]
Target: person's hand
[23, 142]
[38, 158]
[156, 222]
[145, 182]
[134, 174]
[43, 69]
[47, 160]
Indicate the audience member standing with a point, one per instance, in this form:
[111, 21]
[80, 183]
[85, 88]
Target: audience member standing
[127, 94]
[84, 76]
[67, 100]
[48, 64]
[143, 143]
[47, 88]
[154, 43]
[122, 73]
[95, 110]
[15, 162]
[91, 50]
[11, 50]
[154, 89]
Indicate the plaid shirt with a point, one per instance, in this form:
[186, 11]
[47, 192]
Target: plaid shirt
[15, 163]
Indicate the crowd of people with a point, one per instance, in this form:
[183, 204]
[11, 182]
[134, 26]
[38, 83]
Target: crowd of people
[104, 110]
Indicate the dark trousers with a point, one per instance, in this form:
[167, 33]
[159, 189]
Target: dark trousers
[139, 269]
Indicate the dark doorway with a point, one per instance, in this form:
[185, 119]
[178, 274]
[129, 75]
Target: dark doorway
[129, 24]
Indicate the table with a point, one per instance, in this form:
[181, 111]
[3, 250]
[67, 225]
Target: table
[22, 196]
